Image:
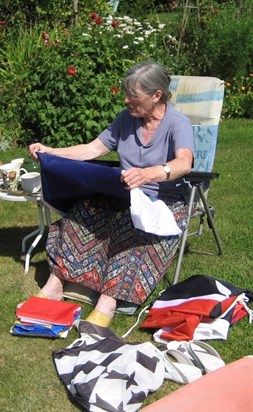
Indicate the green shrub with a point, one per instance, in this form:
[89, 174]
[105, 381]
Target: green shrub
[239, 97]
[62, 106]
[61, 85]
[218, 41]
[17, 53]
[27, 13]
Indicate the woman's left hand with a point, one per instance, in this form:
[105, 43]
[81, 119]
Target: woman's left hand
[133, 177]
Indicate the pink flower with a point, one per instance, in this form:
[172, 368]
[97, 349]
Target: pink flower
[71, 71]
[45, 36]
[47, 43]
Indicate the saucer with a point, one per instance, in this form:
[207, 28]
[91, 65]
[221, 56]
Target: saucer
[13, 192]
[32, 194]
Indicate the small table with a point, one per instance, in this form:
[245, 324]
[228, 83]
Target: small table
[44, 219]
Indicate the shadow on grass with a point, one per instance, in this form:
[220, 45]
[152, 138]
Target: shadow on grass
[11, 241]
[11, 246]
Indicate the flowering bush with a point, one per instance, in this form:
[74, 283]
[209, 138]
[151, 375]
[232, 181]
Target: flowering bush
[71, 88]
[62, 85]
[239, 97]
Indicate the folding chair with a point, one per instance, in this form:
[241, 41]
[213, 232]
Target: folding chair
[201, 99]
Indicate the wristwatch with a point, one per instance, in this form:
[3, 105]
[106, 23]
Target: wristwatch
[166, 170]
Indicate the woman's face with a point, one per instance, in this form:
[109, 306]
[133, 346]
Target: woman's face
[140, 104]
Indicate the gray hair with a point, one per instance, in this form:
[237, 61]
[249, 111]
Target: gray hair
[150, 76]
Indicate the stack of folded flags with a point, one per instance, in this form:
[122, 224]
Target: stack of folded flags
[45, 318]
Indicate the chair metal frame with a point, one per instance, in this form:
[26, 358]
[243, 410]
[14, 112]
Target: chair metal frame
[206, 210]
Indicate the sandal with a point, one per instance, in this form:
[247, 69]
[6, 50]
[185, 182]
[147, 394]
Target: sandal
[202, 355]
[205, 356]
[178, 367]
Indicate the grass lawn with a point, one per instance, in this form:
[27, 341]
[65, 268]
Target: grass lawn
[27, 374]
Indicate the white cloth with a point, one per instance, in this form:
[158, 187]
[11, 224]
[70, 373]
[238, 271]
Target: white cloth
[152, 215]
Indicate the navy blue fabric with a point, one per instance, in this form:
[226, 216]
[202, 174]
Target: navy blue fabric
[65, 181]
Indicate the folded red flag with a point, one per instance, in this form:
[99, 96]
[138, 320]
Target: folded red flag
[39, 310]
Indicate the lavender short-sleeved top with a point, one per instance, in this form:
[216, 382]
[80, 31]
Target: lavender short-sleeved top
[173, 133]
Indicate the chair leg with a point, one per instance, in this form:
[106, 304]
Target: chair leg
[210, 219]
[184, 238]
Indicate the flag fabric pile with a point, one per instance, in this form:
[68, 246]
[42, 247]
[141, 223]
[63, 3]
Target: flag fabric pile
[104, 373]
[45, 318]
[200, 307]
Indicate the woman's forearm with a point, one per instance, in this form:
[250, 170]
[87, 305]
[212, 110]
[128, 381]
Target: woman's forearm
[88, 151]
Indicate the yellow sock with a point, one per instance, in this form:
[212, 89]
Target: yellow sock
[41, 295]
[98, 318]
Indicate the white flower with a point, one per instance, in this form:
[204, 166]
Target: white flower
[110, 18]
[125, 47]
[148, 33]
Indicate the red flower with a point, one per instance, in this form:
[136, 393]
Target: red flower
[114, 23]
[98, 20]
[71, 71]
[2, 22]
[114, 90]
[45, 36]
[94, 16]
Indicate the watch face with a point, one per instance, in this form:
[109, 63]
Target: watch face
[166, 170]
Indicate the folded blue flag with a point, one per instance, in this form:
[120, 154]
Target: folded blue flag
[46, 331]
[65, 181]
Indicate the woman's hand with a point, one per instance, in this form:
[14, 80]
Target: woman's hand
[133, 177]
[38, 147]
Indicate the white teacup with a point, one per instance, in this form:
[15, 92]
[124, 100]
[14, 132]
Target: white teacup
[11, 175]
[31, 182]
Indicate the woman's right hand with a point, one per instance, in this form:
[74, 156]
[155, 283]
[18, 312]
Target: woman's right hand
[38, 147]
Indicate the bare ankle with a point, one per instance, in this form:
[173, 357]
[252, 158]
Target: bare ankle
[106, 305]
[53, 289]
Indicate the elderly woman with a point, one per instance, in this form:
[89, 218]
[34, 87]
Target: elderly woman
[96, 244]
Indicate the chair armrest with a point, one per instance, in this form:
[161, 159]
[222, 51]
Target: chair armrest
[198, 177]
[193, 176]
